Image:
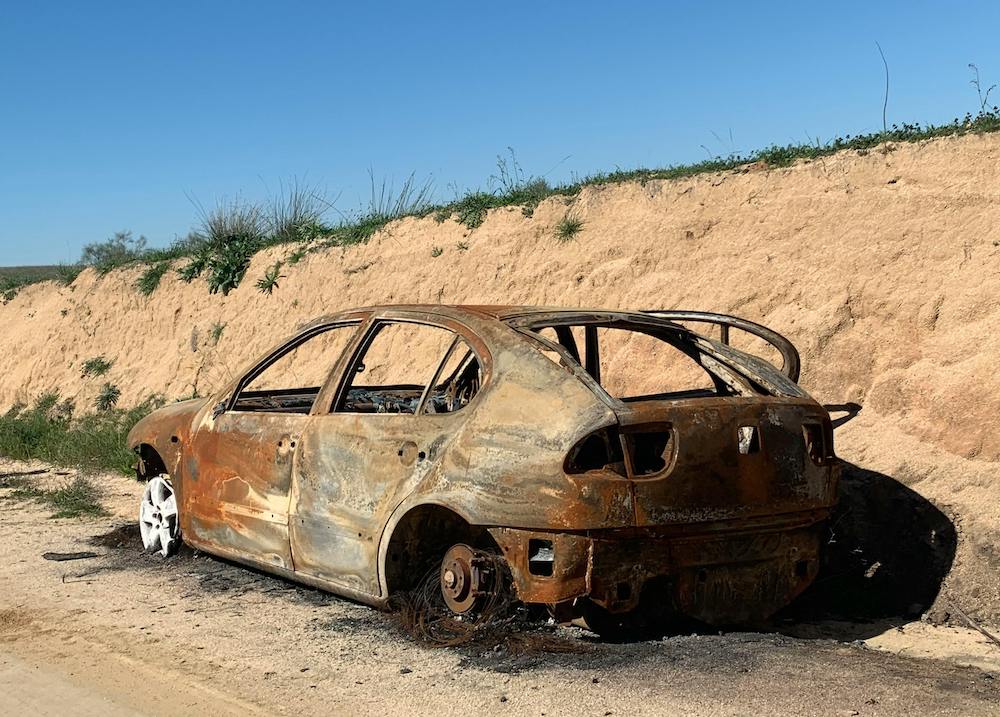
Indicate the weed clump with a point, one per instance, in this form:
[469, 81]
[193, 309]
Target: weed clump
[269, 282]
[96, 366]
[568, 227]
[77, 498]
[150, 279]
[296, 214]
[215, 333]
[49, 431]
[108, 397]
[227, 238]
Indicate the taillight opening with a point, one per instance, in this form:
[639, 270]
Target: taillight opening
[601, 450]
[650, 449]
[636, 451]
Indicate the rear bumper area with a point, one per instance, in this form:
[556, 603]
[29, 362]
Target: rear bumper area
[720, 574]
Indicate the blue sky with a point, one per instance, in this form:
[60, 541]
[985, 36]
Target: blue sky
[113, 114]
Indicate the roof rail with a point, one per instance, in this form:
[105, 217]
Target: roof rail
[789, 355]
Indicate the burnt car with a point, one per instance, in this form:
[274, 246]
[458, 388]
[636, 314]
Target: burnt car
[598, 452]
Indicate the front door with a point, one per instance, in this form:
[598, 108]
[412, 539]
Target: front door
[236, 501]
[388, 428]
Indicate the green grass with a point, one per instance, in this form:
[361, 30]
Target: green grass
[49, 431]
[74, 499]
[150, 279]
[568, 227]
[96, 366]
[221, 247]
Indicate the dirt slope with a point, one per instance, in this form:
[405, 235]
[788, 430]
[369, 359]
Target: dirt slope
[884, 269]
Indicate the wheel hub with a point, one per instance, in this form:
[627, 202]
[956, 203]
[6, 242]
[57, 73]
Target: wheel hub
[462, 580]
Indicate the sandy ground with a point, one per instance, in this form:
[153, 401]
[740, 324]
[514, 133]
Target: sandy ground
[126, 633]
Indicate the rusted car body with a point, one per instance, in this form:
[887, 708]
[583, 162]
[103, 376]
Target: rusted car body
[717, 493]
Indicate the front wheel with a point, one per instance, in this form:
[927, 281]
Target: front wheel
[159, 523]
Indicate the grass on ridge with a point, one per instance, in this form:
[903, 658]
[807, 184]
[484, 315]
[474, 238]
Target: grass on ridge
[229, 235]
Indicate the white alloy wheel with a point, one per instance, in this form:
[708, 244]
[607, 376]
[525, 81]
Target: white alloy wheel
[158, 521]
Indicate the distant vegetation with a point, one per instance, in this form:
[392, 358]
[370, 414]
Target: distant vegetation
[13, 278]
[228, 234]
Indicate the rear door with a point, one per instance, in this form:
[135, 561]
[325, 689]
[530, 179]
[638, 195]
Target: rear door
[399, 403]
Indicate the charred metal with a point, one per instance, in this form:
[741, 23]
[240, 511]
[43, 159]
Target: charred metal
[598, 452]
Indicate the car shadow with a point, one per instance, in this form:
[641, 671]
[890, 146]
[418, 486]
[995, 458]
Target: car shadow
[888, 551]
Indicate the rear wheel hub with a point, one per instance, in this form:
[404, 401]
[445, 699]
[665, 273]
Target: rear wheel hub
[462, 579]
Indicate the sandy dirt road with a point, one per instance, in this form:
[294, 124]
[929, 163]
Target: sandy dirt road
[124, 633]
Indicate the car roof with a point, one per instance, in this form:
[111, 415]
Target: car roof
[500, 312]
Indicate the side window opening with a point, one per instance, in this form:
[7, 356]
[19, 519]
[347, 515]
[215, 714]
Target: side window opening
[580, 343]
[403, 361]
[457, 381]
[631, 364]
[290, 382]
[636, 365]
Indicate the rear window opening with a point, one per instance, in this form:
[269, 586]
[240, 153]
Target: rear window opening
[637, 362]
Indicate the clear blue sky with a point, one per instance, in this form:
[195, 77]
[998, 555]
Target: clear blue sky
[113, 113]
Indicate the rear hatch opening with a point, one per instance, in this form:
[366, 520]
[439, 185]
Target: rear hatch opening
[705, 432]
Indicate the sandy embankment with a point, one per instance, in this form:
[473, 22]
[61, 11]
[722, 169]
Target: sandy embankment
[883, 268]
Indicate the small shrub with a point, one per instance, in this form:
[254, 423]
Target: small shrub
[216, 332]
[96, 366]
[568, 227]
[108, 397]
[462, 246]
[472, 208]
[150, 279]
[118, 250]
[193, 269]
[227, 238]
[269, 282]
[436, 252]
